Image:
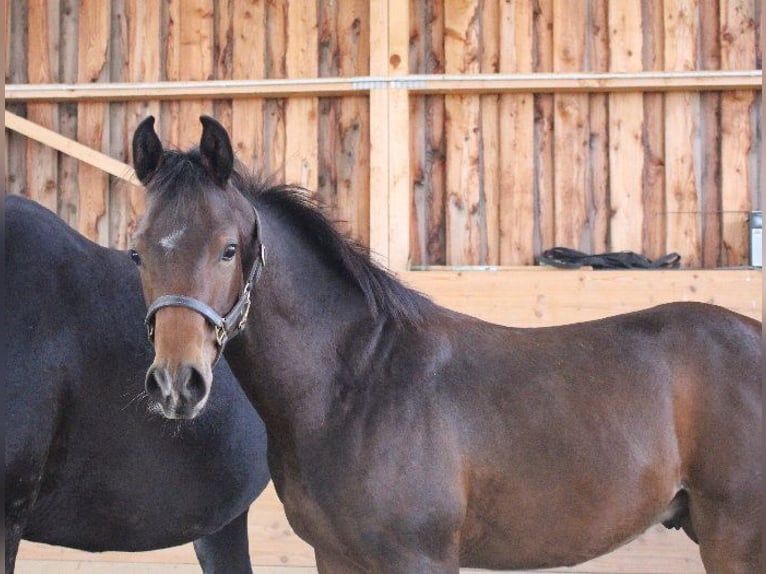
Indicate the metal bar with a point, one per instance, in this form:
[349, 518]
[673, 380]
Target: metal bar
[416, 84]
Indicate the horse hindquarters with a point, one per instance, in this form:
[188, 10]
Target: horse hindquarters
[719, 424]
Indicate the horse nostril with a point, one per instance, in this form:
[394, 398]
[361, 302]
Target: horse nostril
[154, 387]
[195, 388]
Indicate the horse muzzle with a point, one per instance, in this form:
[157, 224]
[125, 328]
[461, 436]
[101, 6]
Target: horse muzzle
[180, 393]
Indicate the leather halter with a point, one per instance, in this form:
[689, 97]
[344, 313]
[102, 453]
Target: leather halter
[228, 326]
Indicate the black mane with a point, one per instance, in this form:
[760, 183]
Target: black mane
[385, 294]
[180, 172]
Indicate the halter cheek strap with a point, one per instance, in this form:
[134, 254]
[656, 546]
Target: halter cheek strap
[228, 326]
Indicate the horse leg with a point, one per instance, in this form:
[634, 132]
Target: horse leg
[729, 535]
[225, 551]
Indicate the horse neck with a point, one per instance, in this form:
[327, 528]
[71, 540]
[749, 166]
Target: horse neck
[304, 316]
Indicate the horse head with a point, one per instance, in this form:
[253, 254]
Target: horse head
[191, 247]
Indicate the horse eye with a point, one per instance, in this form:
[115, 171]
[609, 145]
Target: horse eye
[229, 252]
[135, 257]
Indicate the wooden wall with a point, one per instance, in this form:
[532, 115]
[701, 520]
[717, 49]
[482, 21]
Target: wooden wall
[497, 178]
[487, 177]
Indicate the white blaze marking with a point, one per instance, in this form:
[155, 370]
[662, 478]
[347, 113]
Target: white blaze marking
[169, 241]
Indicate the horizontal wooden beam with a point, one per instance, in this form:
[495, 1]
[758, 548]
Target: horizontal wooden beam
[416, 84]
[70, 147]
[544, 296]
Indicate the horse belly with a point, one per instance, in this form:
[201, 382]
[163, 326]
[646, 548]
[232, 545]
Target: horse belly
[581, 515]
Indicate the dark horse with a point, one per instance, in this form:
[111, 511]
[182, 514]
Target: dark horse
[87, 464]
[404, 437]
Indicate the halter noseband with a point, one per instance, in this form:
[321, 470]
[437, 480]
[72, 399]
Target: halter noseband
[230, 325]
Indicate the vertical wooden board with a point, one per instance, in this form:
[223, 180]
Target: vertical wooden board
[738, 52]
[431, 169]
[419, 183]
[420, 29]
[223, 65]
[461, 56]
[710, 138]
[42, 62]
[17, 73]
[682, 109]
[248, 63]
[491, 27]
[301, 121]
[68, 166]
[516, 126]
[626, 127]
[353, 159]
[654, 133]
[195, 64]
[171, 32]
[327, 109]
[119, 198]
[143, 60]
[543, 128]
[93, 118]
[571, 131]
[273, 160]
[399, 180]
[598, 115]
[398, 127]
[436, 143]
[379, 135]
[379, 174]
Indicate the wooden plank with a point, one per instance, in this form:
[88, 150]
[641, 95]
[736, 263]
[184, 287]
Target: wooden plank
[171, 32]
[379, 134]
[42, 62]
[544, 296]
[420, 31]
[516, 126]
[435, 142]
[434, 189]
[626, 127]
[89, 156]
[353, 159]
[143, 65]
[93, 119]
[569, 83]
[710, 138]
[16, 157]
[223, 61]
[68, 166]
[654, 134]
[492, 25]
[399, 180]
[462, 119]
[327, 118]
[544, 192]
[274, 109]
[399, 137]
[571, 131]
[682, 186]
[195, 63]
[738, 51]
[120, 216]
[301, 114]
[248, 60]
[597, 178]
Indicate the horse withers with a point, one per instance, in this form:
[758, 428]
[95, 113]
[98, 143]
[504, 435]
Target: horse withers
[89, 462]
[404, 437]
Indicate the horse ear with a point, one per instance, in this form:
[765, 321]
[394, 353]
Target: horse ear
[147, 150]
[216, 151]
